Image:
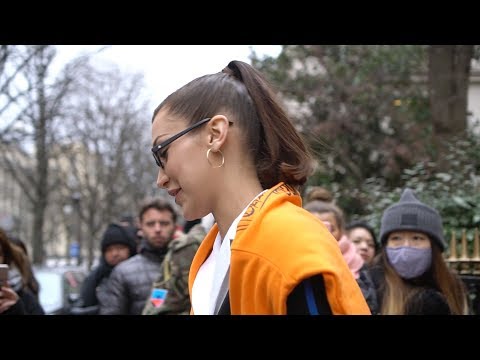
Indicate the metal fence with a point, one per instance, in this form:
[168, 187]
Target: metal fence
[466, 263]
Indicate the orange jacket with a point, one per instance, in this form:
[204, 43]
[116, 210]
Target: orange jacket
[277, 245]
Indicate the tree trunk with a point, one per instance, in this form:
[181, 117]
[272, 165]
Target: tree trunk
[41, 185]
[449, 72]
[92, 234]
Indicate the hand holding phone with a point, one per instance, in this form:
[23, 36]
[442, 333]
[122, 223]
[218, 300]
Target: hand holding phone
[3, 274]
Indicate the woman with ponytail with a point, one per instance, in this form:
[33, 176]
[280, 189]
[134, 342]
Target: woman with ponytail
[224, 145]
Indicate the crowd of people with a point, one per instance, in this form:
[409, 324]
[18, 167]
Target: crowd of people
[235, 164]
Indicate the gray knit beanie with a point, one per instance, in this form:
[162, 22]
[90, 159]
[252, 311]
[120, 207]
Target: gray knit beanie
[411, 214]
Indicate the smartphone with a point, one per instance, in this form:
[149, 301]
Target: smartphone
[3, 274]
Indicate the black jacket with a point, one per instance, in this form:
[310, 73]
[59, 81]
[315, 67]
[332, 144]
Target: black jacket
[27, 304]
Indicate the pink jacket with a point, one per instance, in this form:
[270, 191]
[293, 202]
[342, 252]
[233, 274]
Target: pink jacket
[349, 252]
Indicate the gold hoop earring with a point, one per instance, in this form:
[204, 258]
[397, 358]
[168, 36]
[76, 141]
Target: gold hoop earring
[208, 159]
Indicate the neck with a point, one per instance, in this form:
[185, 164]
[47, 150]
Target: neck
[234, 202]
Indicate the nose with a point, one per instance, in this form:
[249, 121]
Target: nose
[162, 179]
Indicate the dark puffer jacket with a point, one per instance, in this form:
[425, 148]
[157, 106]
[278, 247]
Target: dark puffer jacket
[129, 284]
[96, 280]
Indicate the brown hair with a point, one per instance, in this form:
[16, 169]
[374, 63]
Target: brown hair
[13, 254]
[320, 200]
[319, 193]
[279, 152]
[158, 204]
[322, 207]
[449, 284]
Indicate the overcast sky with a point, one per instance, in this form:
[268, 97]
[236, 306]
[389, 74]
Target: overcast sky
[167, 67]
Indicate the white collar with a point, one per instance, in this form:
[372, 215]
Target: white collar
[211, 274]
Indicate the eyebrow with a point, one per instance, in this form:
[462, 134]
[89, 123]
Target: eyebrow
[155, 142]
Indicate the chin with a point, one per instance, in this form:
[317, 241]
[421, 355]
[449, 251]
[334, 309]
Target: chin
[191, 215]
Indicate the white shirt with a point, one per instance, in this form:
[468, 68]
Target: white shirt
[206, 285]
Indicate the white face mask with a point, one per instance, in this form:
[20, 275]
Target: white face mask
[409, 262]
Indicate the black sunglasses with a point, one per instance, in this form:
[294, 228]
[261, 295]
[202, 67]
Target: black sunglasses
[157, 149]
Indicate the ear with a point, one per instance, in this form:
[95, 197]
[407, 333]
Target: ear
[217, 131]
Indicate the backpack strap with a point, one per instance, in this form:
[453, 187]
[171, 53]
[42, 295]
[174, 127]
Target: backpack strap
[312, 306]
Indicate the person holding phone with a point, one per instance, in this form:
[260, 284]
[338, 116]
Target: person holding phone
[15, 296]
[9, 299]
[3, 274]
[10, 302]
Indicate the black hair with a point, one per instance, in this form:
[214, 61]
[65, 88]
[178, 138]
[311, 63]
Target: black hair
[366, 226]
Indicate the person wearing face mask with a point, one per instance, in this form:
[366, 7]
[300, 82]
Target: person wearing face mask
[410, 274]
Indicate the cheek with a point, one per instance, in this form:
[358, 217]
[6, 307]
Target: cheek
[197, 179]
[169, 231]
[125, 253]
[186, 159]
[108, 256]
[192, 170]
[148, 232]
[200, 195]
